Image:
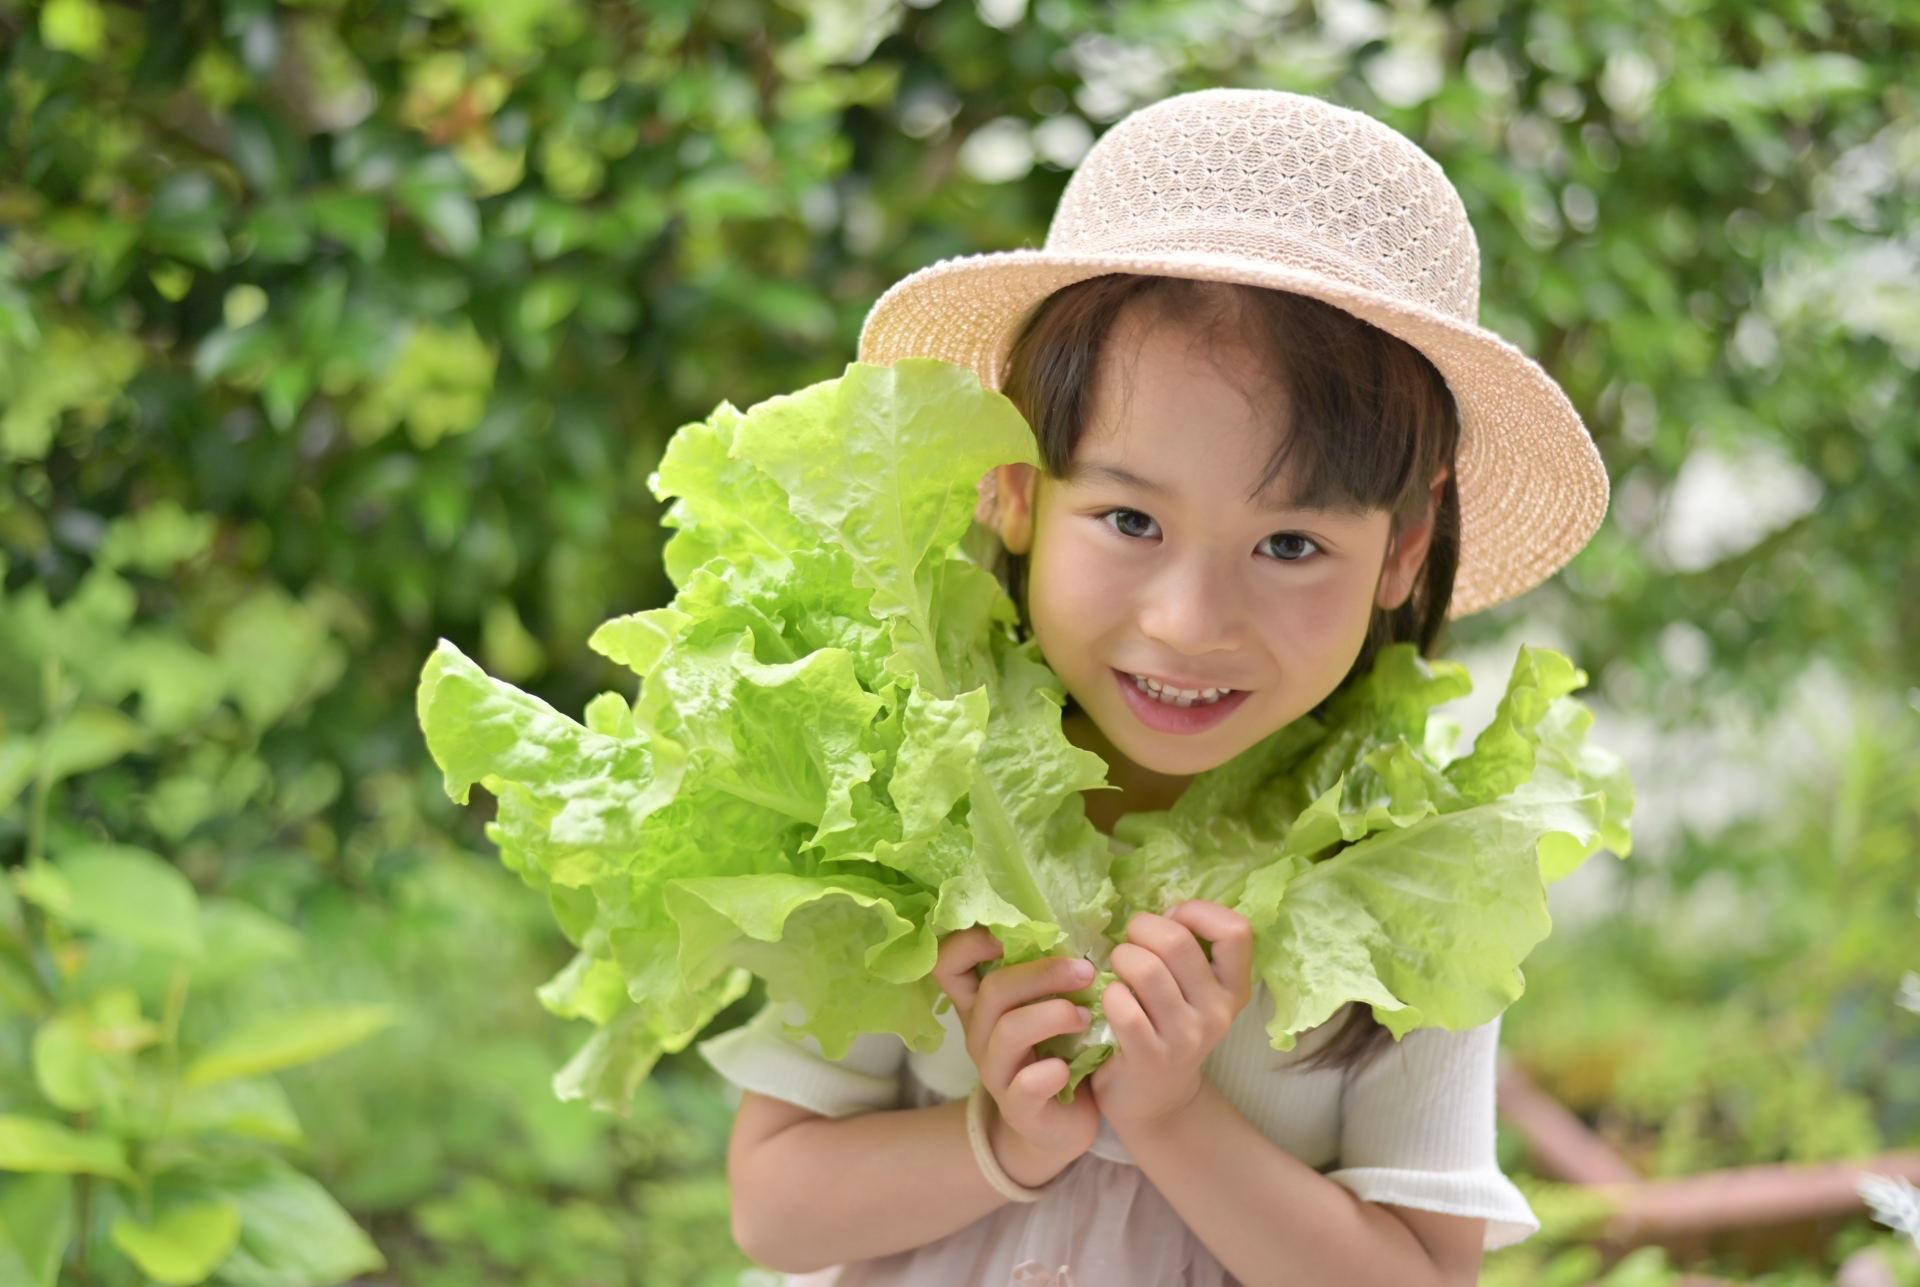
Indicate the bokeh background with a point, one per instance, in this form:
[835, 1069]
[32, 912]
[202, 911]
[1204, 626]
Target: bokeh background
[328, 328]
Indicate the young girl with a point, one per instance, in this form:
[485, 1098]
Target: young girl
[1274, 440]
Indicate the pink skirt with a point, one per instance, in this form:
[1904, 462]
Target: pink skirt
[1101, 1224]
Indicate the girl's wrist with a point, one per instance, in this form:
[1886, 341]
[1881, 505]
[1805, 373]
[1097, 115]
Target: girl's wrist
[1025, 1162]
[1176, 1118]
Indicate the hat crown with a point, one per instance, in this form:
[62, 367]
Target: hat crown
[1280, 178]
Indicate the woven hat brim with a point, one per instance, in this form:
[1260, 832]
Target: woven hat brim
[1533, 489]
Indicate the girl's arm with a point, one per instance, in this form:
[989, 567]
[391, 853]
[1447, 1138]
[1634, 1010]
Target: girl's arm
[1269, 1218]
[812, 1191]
[1272, 1219]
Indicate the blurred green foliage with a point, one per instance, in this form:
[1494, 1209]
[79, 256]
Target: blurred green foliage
[1741, 1013]
[143, 1134]
[330, 327]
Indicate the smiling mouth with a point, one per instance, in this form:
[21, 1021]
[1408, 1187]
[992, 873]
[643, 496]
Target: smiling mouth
[1168, 695]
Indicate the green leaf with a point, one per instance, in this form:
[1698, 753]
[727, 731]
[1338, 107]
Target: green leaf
[287, 1041]
[589, 987]
[609, 1068]
[843, 950]
[75, 371]
[36, 1220]
[1503, 754]
[278, 653]
[182, 1246]
[255, 1109]
[239, 939]
[479, 728]
[133, 895]
[638, 641]
[35, 1144]
[90, 738]
[787, 737]
[724, 507]
[936, 761]
[157, 538]
[1568, 764]
[74, 27]
[19, 762]
[178, 684]
[70, 1072]
[1031, 841]
[292, 1233]
[1428, 924]
[356, 220]
[45, 886]
[882, 463]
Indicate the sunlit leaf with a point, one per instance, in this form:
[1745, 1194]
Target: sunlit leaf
[36, 1219]
[182, 1246]
[255, 1108]
[35, 1144]
[239, 938]
[127, 893]
[292, 1234]
[287, 1041]
[89, 738]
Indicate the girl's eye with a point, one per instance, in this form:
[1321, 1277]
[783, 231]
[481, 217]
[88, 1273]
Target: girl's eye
[1131, 522]
[1288, 547]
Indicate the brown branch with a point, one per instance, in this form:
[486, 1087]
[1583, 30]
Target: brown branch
[1561, 1146]
[1746, 1196]
[1664, 1211]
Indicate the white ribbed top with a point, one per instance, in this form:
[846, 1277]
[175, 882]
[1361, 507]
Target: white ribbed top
[1415, 1128]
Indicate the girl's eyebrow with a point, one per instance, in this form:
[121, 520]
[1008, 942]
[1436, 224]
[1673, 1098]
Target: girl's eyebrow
[1115, 474]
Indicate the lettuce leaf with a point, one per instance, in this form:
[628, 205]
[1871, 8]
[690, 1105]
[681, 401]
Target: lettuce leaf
[840, 751]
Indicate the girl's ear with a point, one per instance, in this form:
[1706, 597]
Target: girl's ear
[1012, 505]
[1407, 551]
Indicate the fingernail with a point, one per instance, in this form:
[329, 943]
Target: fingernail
[1084, 971]
[1086, 1015]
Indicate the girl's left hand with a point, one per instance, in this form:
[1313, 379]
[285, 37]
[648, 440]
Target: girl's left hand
[1171, 1007]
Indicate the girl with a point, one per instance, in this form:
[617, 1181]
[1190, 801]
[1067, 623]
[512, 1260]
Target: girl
[1273, 441]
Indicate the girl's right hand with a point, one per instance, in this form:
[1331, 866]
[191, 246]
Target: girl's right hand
[1005, 1015]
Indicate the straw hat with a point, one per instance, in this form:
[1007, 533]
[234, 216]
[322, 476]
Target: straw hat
[1287, 192]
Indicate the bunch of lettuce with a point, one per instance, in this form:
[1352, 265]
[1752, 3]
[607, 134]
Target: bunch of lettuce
[841, 751]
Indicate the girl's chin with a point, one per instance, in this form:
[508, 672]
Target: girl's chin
[1180, 721]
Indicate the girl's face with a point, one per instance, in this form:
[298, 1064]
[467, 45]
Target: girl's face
[1189, 614]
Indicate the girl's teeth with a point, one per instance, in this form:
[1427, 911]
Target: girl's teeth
[1182, 697]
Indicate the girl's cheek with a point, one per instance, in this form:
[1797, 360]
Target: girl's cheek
[1325, 618]
[1077, 594]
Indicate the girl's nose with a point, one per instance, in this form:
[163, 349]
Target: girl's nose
[1194, 607]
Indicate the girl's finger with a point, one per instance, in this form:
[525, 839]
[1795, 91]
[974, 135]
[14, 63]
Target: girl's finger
[1153, 986]
[1232, 938]
[960, 956]
[1175, 945]
[1017, 985]
[1010, 1045]
[1131, 1027]
[1027, 1094]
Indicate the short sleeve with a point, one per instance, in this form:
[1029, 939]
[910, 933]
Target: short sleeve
[1417, 1130]
[760, 1057]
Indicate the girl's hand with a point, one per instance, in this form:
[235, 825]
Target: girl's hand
[1005, 1014]
[1171, 1007]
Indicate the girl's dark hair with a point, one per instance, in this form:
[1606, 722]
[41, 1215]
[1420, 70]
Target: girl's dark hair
[1363, 421]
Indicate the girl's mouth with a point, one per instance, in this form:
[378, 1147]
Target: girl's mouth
[1168, 709]
[1178, 696]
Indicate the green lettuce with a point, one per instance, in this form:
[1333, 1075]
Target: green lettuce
[841, 751]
